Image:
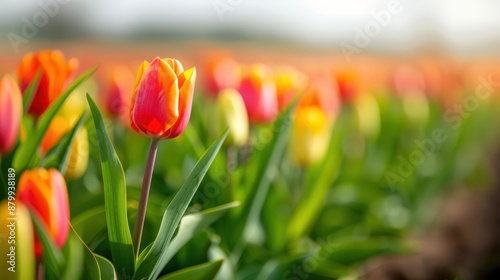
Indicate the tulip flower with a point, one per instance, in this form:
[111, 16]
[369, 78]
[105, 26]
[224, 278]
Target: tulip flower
[221, 72]
[55, 74]
[78, 155]
[348, 84]
[289, 83]
[321, 92]
[11, 110]
[44, 192]
[230, 112]
[259, 94]
[79, 149]
[56, 130]
[117, 96]
[310, 135]
[160, 109]
[17, 232]
[162, 98]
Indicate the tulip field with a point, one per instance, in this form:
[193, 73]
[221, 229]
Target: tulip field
[232, 165]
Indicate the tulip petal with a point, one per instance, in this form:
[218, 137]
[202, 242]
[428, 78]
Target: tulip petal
[186, 84]
[155, 107]
[11, 113]
[176, 66]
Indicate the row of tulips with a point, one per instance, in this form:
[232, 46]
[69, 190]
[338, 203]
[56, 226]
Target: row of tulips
[332, 127]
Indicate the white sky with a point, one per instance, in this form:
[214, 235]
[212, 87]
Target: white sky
[461, 26]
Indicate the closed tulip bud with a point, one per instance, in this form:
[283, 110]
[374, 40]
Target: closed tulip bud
[117, 95]
[18, 234]
[289, 83]
[348, 83]
[78, 155]
[56, 130]
[230, 112]
[162, 98]
[11, 110]
[310, 135]
[222, 72]
[44, 192]
[55, 74]
[259, 94]
[78, 151]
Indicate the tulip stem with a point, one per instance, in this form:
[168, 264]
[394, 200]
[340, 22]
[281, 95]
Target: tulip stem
[143, 201]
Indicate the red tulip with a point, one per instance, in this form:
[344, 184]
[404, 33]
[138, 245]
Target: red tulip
[162, 98]
[55, 74]
[11, 110]
[259, 94]
[44, 192]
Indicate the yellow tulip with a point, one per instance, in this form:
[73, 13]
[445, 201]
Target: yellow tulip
[310, 135]
[79, 155]
[230, 112]
[17, 243]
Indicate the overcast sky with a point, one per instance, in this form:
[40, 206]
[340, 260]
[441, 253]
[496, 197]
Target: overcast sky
[460, 26]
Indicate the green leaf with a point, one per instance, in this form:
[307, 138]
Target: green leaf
[106, 268]
[28, 149]
[29, 93]
[115, 198]
[271, 154]
[189, 226]
[58, 156]
[91, 225]
[53, 259]
[91, 266]
[198, 272]
[74, 254]
[154, 261]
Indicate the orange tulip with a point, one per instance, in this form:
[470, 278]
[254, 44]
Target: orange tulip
[289, 83]
[57, 129]
[321, 92]
[221, 72]
[11, 110]
[259, 94]
[162, 98]
[348, 83]
[44, 192]
[55, 74]
[117, 96]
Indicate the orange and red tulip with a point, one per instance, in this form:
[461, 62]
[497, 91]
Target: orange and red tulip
[162, 98]
[117, 96]
[221, 72]
[55, 74]
[44, 192]
[57, 129]
[11, 110]
[258, 91]
[348, 84]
